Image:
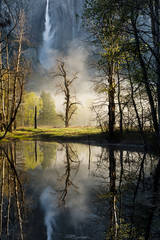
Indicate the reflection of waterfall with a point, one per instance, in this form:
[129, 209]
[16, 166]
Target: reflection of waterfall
[45, 52]
[49, 205]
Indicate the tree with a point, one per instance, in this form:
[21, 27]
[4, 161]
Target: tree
[127, 36]
[26, 113]
[65, 86]
[145, 48]
[13, 66]
[35, 117]
[47, 115]
[100, 19]
[20, 31]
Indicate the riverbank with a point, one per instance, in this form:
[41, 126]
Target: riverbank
[55, 134]
[91, 135]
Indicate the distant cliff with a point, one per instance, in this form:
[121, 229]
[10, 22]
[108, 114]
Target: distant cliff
[65, 18]
[35, 12]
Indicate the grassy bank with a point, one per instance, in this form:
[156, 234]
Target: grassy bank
[82, 134]
[55, 133]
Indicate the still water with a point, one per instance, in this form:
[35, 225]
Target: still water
[52, 191]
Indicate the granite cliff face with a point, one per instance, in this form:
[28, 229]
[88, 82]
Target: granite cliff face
[64, 23]
[65, 16]
[35, 11]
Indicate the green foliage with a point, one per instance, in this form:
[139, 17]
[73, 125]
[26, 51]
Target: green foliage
[26, 114]
[109, 22]
[47, 115]
[125, 232]
[100, 18]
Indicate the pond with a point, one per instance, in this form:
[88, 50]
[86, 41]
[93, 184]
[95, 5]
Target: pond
[53, 191]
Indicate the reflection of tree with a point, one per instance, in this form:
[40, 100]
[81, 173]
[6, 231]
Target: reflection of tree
[49, 153]
[35, 151]
[113, 198]
[107, 161]
[89, 156]
[2, 193]
[155, 201]
[11, 207]
[72, 166]
[102, 164]
[141, 172]
[126, 175]
[120, 227]
[32, 154]
[38, 153]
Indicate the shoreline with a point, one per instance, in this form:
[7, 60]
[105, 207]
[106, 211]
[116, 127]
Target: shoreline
[87, 135]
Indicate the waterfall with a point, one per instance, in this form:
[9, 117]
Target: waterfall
[49, 204]
[46, 50]
[62, 26]
[47, 33]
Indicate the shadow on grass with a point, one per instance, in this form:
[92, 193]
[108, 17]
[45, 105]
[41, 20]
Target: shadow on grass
[52, 136]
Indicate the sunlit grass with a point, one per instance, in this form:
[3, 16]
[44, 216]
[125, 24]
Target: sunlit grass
[82, 134]
[30, 133]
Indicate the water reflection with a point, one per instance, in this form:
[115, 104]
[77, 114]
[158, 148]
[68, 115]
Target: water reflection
[75, 191]
[155, 206]
[12, 197]
[72, 163]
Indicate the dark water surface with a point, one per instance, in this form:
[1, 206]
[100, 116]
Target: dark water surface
[52, 191]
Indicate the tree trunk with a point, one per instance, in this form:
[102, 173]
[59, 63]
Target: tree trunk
[16, 73]
[35, 118]
[155, 16]
[120, 107]
[8, 84]
[146, 81]
[111, 107]
[67, 102]
[136, 110]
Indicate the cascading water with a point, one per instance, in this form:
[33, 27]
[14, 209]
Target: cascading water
[62, 27]
[45, 52]
[47, 32]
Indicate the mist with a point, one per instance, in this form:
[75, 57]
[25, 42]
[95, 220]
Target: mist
[74, 51]
[76, 61]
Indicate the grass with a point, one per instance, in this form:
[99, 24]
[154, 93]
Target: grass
[83, 134]
[54, 133]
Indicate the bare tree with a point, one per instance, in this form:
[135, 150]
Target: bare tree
[65, 86]
[13, 70]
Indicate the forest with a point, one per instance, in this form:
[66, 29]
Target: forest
[125, 61]
[126, 58]
[80, 119]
